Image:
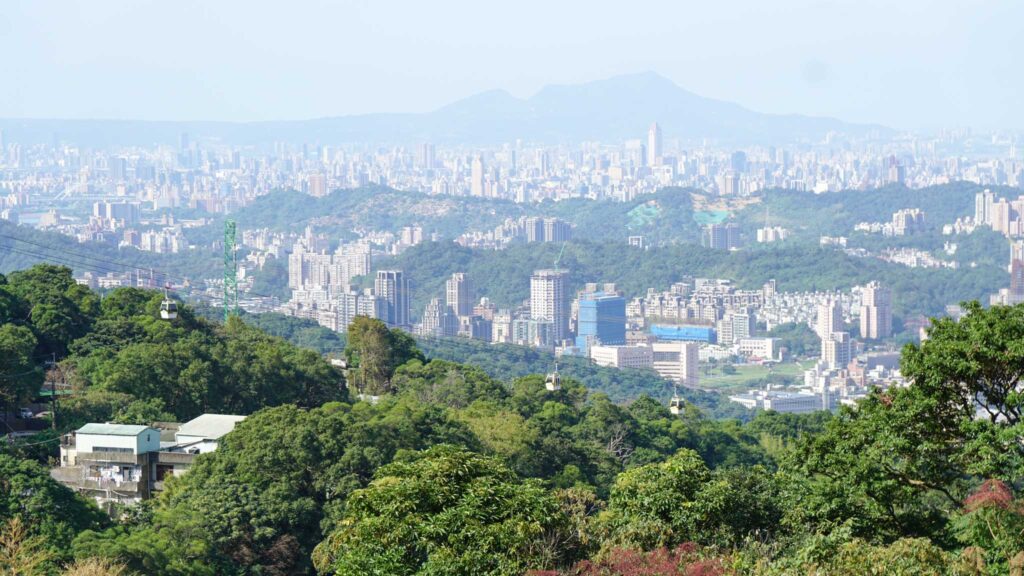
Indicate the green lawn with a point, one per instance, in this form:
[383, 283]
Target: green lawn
[746, 375]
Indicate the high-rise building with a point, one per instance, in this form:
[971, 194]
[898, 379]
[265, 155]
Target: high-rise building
[117, 169]
[317, 185]
[829, 318]
[875, 312]
[601, 319]
[837, 349]
[549, 302]
[1017, 281]
[458, 294]
[736, 325]
[476, 182]
[907, 221]
[392, 287]
[983, 202]
[556, 230]
[427, 156]
[654, 151]
[534, 229]
[722, 236]
[738, 161]
[438, 320]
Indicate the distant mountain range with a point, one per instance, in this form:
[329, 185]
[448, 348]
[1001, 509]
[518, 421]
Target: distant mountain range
[610, 110]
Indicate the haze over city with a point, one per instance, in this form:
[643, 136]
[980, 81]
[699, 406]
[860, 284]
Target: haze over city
[522, 289]
[909, 65]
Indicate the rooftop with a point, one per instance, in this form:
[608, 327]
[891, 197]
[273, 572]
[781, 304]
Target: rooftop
[210, 426]
[113, 429]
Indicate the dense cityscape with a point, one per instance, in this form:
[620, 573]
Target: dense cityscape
[407, 289]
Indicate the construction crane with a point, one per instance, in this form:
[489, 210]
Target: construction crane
[230, 271]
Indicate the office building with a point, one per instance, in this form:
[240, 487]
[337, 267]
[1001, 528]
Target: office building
[476, 183]
[677, 361]
[760, 348]
[549, 302]
[875, 312]
[654, 147]
[392, 287]
[601, 319]
[622, 356]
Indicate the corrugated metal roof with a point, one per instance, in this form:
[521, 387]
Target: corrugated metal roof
[209, 426]
[113, 429]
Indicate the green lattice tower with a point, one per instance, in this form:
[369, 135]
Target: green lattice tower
[230, 271]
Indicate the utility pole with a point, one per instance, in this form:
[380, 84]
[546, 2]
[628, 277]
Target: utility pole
[53, 389]
[230, 271]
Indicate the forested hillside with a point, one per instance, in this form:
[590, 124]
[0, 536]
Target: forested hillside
[504, 276]
[453, 471]
[665, 216]
[835, 213]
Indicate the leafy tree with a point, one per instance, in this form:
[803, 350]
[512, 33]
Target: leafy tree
[681, 500]
[976, 361]
[886, 469]
[20, 377]
[444, 511]
[374, 352]
[47, 508]
[60, 309]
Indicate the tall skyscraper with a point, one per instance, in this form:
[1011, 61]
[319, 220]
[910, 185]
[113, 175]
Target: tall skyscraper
[738, 161]
[829, 318]
[392, 287]
[427, 156]
[654, 152]
[458, 294]
[983, 202]
[549, 301]
[875, 312]
[476, 181]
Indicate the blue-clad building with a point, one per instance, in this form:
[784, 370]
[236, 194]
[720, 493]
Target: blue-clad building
[601, 319]
[689, 333]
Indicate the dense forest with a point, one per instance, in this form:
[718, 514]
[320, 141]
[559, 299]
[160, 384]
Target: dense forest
[454, 471]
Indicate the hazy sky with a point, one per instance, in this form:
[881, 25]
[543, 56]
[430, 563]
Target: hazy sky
[905, 63]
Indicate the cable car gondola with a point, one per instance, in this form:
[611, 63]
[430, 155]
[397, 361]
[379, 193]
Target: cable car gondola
[553, 382]
[676, 404]
[168, 308]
